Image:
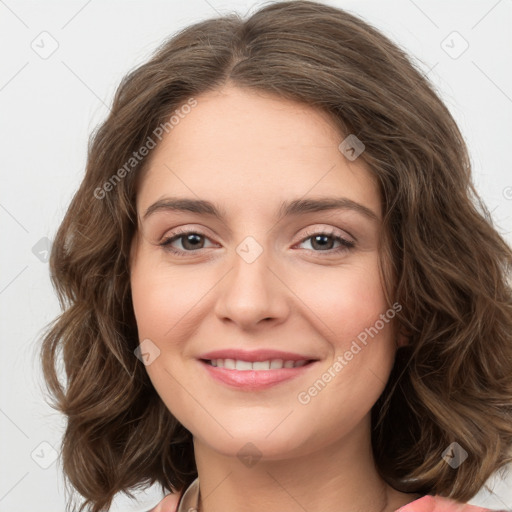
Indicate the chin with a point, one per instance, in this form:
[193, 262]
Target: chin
[254, 444]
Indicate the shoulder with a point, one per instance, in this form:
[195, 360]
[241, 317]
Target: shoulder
[440, 504]
[168, 504]
[189, 499]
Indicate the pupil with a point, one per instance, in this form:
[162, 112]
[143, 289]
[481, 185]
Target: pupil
[192, 239]
[322, 239]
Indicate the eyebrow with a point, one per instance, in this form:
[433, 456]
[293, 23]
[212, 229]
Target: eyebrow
[287, 208]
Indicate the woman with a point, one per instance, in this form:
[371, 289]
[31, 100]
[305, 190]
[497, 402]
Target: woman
[281, 289]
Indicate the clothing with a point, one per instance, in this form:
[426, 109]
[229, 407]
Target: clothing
[439, 504]
[190, 500]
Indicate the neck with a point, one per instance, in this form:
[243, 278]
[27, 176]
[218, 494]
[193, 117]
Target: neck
[338, 476]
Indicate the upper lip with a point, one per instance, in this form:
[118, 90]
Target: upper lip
[255, 355]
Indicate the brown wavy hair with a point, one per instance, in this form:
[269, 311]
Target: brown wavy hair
[443, 260]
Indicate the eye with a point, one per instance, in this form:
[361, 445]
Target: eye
[193, 241]
[190, 241]
[324, 242]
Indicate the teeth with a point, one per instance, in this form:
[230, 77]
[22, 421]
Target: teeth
[273, 364]
[243, 365]
[260, 365]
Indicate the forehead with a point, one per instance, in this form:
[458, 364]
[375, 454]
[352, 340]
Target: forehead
[245, 147]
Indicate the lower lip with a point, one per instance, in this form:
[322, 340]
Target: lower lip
[255, 379]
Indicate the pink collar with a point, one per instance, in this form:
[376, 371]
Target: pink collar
[430, 503]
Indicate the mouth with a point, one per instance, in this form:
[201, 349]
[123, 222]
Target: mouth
[270, 364]
[255, 375]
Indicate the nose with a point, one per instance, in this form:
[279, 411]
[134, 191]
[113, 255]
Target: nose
[253, 294]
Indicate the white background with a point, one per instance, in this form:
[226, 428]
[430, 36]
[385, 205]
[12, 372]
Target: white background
[49, 106]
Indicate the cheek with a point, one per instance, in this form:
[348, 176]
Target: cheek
[151, 306]
[345, 300]
[163, 297]
[351, 312]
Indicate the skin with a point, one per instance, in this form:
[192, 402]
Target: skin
[247, 152]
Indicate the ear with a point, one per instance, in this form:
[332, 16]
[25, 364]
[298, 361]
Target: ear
[401, 339]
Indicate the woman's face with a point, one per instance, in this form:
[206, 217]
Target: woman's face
[236, 265]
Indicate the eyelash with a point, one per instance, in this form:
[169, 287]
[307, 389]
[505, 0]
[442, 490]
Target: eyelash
[346, 245]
